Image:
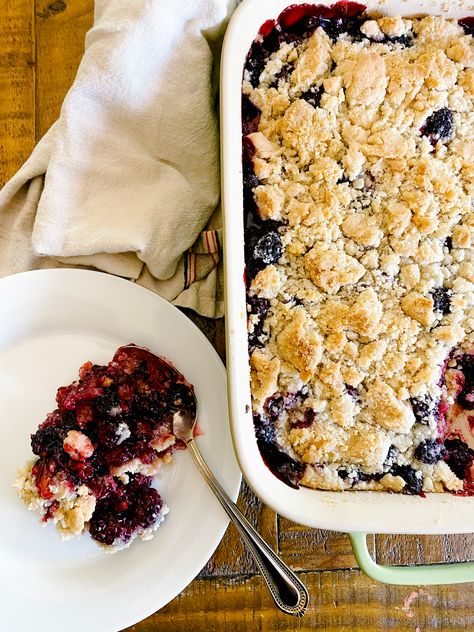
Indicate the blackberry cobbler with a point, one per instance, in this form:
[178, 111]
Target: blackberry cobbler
[97, 453]
[358, 167]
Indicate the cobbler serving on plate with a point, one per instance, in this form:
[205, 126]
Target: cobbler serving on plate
[97, 453]
[358, 169]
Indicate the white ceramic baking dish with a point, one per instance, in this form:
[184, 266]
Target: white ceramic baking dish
[354, 512]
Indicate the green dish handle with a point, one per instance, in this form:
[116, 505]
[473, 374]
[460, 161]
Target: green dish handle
[458, 573]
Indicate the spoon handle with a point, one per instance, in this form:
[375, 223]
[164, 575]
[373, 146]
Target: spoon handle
[288, 592]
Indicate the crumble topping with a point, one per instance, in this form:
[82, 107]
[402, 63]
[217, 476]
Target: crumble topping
[360, 270]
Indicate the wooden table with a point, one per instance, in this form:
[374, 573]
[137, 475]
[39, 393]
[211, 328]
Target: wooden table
[41, 45]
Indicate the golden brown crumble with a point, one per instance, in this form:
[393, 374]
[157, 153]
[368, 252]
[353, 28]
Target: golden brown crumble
[376, 217]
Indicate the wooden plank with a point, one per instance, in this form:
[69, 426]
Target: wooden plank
[60, 31]
[213, 329]
[315, 549]
[232, 557]
[220, 337]
[341, 601]
[17, 76]
[424, 549]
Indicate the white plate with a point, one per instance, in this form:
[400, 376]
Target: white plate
[50, 322]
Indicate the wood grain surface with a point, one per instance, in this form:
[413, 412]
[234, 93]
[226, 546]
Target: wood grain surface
[41, 44]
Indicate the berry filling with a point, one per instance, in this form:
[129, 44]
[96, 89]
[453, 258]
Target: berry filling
[258, 308]
[423, 408]
[459, 457]
[467, 24]
[313, 96]
[441, 300]
[287, 469]
[296, 23]
[439, 126]
[127, 509]
[413, 478]
[430, 451]
[109, 434]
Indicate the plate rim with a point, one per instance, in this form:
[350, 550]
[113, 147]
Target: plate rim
[126, 621]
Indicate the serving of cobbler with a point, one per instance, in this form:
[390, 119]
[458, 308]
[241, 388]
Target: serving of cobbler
[358, 169]
[97, 452]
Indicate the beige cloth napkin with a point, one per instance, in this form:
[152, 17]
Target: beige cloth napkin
[127, 180]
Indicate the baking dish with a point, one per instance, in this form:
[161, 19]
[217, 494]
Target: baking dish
[353, 512]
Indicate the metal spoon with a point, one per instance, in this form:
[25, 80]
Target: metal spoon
[289, 594]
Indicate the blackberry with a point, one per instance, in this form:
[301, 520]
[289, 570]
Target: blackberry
[147, 508]
[404, 40]
[259, 307]
[335, 27]
[352, 391]
[279, 462]
[48, 442]
[413, 483]
[264, 428]
[467, 24]
[439, 126]
[466, 396]
[262, 246]
[106, 433]
[313, 95]
[441, 300]
[104, 403]
[459, 456]
[256, 60]
[423, 407]
[274, 406]
[125, 510]
[283, 74]
[268, 248]
[430, 451]
[391, 457]
[362, 477]
[250, 116]
[181, 397]
[307, 420]
[149, 405]
[250, 181]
